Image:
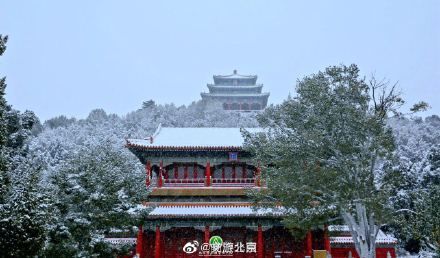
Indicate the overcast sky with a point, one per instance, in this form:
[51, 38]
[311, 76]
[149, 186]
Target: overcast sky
[69, 57]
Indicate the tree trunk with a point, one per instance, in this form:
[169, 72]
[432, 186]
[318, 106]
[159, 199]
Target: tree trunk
[363, 231]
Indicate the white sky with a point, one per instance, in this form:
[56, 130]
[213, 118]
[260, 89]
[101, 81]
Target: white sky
[69, 57]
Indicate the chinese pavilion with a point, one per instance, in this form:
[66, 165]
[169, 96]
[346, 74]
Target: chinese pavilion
[198, 179]
[236, 92]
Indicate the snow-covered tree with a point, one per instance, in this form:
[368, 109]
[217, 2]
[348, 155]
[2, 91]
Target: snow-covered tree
[415, 178]
[325, 150]
[23, 207]
[24, 215]
[4, 181]
[95, 190]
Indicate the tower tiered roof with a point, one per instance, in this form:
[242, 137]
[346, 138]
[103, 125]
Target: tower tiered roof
[236, 92]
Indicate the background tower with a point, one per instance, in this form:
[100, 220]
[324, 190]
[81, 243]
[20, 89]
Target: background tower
[236, 92]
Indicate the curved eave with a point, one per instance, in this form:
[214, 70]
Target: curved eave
[183, 148]
[259, 95]
[235, 76]
[248, 80]
[213, 216]
[234, 87]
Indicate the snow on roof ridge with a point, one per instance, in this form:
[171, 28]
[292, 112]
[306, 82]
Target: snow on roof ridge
[381, 236]
[210, 211]
[159, 127]
[194, 137]
[349, 239]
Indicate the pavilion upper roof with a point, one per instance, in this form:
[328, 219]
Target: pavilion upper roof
[235, 79]
[235, 75]
[193, 138]
[210, 210]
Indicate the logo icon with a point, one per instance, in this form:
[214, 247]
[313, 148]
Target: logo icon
[215, 240]
[191, 247]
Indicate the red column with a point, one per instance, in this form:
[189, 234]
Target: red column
[176, 171]
[326, 240]
[147, 173]
[139, 243]
[185, 171]
[206, 234]
[233, 171]
[260, 251]
[208, 174]
[244, 172]
[157, 243]
[223, 172]
[309, 244]
[159, 175]
[195, 174]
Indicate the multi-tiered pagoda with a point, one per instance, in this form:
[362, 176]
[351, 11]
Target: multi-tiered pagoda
[198, 179]
[236, 92]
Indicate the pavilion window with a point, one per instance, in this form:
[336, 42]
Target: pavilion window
[235, 106]
[255, 106]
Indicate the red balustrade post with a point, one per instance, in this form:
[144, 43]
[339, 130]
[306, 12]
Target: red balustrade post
[208, 174]
[148, 173]
[139, 243]
[260, 246]
[157, 243]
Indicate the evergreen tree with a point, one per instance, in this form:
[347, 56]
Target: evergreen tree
[414, 176]
[24, 214]
[22, 205]
[4, 180]
[326, 148]
[96, 190]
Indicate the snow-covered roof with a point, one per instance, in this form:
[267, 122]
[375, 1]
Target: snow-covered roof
[210, 210]
[120, 241]
[234, 87]
[349, 240]
[264, 94]
[338, 228]
[235, 75]
[169, 137]
[381, 238]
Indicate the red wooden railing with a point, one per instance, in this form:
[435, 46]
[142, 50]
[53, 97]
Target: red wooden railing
[214, 182]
